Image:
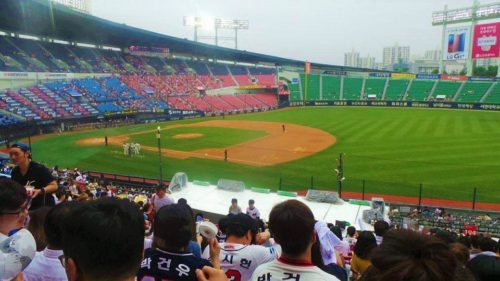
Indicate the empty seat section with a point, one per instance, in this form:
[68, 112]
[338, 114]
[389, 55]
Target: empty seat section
[311, 91]
[375, 86]
[473, 91]
[420, 90]
[447, 88]
[352, 88]
[494, 96]
[34, 50]
[396, 89]
[331, 87]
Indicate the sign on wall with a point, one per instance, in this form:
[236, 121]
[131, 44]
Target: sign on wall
[485, 44]
[457, 43]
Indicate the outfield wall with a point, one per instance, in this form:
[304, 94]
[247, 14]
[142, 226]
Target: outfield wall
[415, 104]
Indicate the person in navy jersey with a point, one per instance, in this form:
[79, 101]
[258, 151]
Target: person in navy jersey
[32, 174]
[169, 258]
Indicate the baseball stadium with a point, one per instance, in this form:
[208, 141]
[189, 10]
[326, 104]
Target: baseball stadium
[132, 106]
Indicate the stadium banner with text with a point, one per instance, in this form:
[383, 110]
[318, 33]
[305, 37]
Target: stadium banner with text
[358, 74]
[18, 75]
[428, 76]
[6, 75]
[335, 72]
[457, 43]
[454, 77]
[257, 86]
[403, 76]
[473, 78]
[418, 104]
[485, 44]
[380, 74]
[470, 230]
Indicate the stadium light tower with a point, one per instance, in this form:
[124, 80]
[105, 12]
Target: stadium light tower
[218, 24]
[197, 23]
[230, 24]
[80, 5]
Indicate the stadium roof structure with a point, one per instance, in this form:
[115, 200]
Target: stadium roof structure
[44, 18]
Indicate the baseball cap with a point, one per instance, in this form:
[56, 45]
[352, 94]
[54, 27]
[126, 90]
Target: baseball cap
[251, 201]
[16, 253]
[22, 146]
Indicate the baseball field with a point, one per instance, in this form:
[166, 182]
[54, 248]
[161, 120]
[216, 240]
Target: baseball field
[389, 150]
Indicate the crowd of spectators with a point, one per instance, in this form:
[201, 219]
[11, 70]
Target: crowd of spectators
[100, 231]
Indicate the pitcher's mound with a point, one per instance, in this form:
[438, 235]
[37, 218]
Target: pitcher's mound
[188, 136]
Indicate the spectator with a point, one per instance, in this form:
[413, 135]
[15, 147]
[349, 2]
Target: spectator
[46, 265]
[234, 209]
[462, 255]
[222, 225]
[238, 257]
[169, 259]
[31, 173]
[380, 227]
[361, 257]
[292, 225]
[61, 196]
[474, 244]
[408, 255]
[332, 268]
[351, 235]
[341, 246]
[486, 265]
[161, 198]
[252, 211]
[103, 240]
[73, 188]
[149, 213]
[18, 246]
[35, 226]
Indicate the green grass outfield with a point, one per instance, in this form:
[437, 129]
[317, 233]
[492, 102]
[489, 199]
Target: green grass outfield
[393, 149]
[212, 138]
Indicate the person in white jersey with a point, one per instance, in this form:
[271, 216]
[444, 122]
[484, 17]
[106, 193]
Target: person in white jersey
[252, 211]
[292, 225]
[238, 257]
[161, 198]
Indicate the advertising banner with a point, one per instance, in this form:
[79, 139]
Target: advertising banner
[485, 44]
[454, 77]
[470, 230]
[380, 74]
[403, 76]
[429, 76]
[335, 72]
[457, 43]
[481, 78]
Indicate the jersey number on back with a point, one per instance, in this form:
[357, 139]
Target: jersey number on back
[233, 275]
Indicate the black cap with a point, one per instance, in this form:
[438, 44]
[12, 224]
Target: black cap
[251, 202]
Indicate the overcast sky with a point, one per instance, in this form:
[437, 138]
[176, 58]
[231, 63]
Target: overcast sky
[314, 30]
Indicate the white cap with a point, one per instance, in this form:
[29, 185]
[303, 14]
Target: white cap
[207, 229]
[16, 253]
